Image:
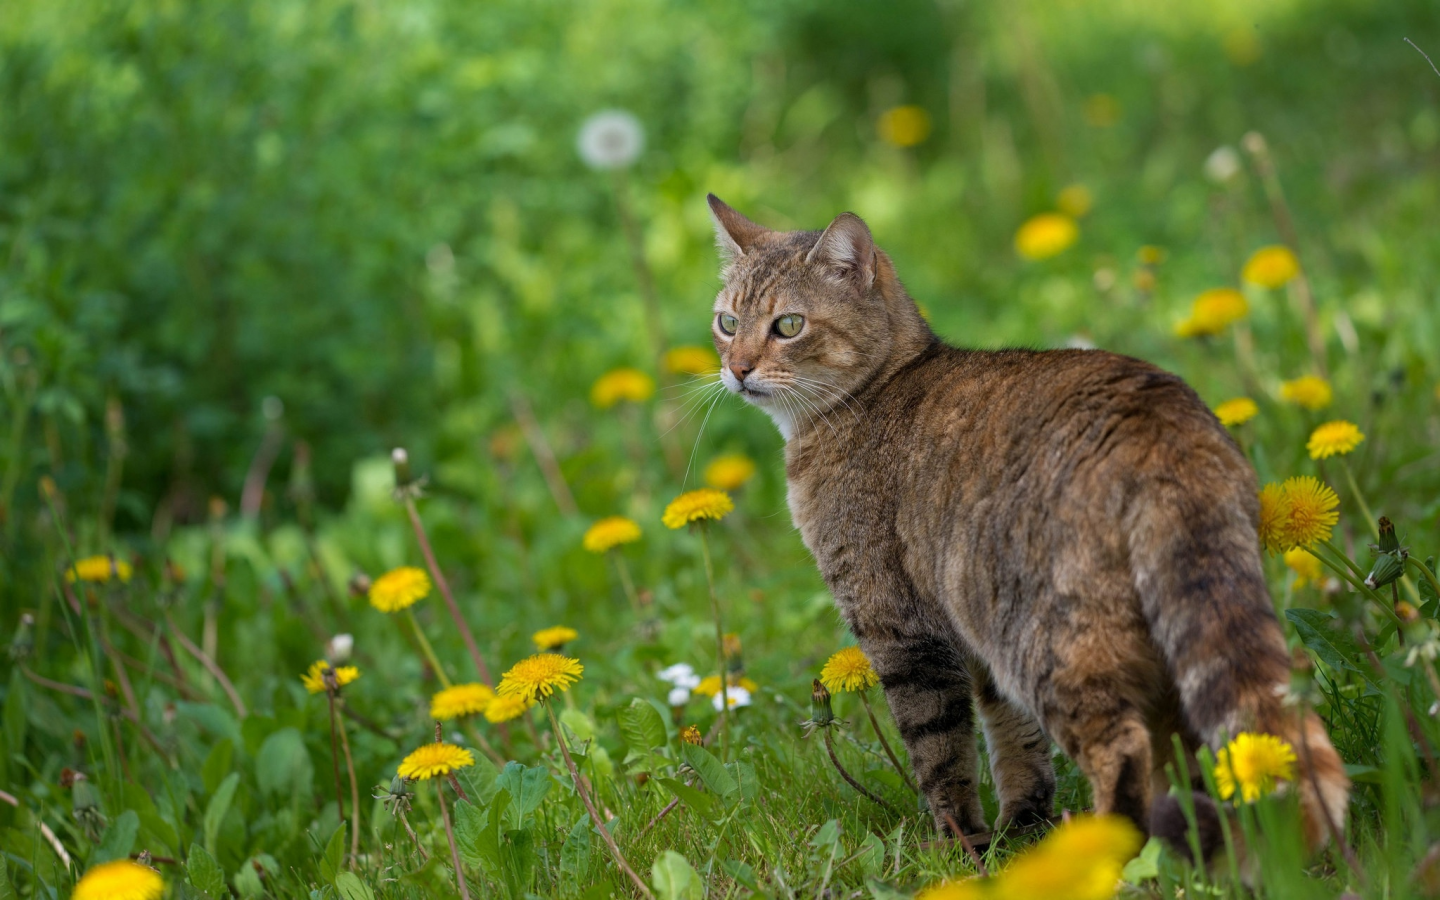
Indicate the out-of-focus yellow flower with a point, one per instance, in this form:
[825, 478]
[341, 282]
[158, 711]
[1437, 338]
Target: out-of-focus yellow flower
[98, 569]
[1212, 311]
[697, 505]
[399, 589]
[1334, 439]
[691, 735]
[1236, 411]
[621, 384]
[904, 126]
[1075, 200]
[1080, 860]
[554, 638]
[119, 880]
[691, 361]
[1298, 513]
[1151, 255]
[967, 889]
[431, 760]
[1251, 765]
[1271, 267]
[1046, 235]
[1308, 391]
[537, 677]
[849, 670]
[314, 679]
[611, 532]
[709, 686]
[461, 700]
[1305, 565]
[1272, 517]
[506, 707]
[728, 473]
[1102, 110]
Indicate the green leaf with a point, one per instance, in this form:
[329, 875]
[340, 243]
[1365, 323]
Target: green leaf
[675, 879]
[871, 856]
[334, 854]
[1322, 634]
[219, 805]
[118, 838]
[744, 775]
[1429, 602]
[283, 767]
[469, 830]
[527, 787]
[703, 804]
[350, 887]
[827, 837]
[205, 874]
[7, 890]
[742, 873]
[641, 727]
[1145, 866]
[580, 725]
[575, 854]
[219, 762]
[710, 770]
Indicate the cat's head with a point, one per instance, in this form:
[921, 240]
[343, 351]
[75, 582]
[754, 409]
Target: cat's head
[805, 318]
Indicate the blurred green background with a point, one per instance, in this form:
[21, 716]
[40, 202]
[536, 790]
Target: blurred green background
[375, 212]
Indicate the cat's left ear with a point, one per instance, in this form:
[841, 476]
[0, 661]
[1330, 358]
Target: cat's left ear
[847, 248]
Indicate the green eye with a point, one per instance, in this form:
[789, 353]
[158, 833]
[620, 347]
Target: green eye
[728, 323]
[789, 326]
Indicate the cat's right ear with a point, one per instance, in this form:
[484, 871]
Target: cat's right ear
[734, 234]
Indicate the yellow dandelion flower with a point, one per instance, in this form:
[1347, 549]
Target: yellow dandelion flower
[1307, 391]
[849, 670]
[1274, 508]
[1305, 566]
[120, 880]
[710, 685]
[1212, 312]
[99, 570]
[611, 532]
[904, 126]
[691, 735]
[1237, 411]
[1080, 860]
[1271, 267]
[694, 506]
[431, 760]
[1151, 255]
[1334, 439]
[967, 889]
[621, 384]
[461, 700]
[728, 473]
[1046, 235]
[399, 589]
[554, 638]
[1252, 764]
[1075, 200]
[506, 707]
[314, 678]
[1310, 511]
[691, 361]
[537, 677]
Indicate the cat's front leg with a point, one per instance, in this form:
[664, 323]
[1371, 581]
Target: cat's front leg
[922, 667]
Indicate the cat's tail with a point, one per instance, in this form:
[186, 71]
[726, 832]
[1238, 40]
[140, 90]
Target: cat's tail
[1203, 592]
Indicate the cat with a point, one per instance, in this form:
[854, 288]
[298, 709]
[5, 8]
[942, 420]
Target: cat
[1065, 540]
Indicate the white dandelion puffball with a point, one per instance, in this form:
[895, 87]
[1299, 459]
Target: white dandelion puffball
[611, 139]
[681, 675]
[738, 697]
[679, 696]
[1222, 165]
[338, 648]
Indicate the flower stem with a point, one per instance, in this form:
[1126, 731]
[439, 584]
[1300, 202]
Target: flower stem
[426, 649]
[335, 758]
[1355, 581]
[450, 836]
[719, 643]
[1425, 570]
[440, 582]
[590, 807]
[850, 780]
[483, 744]
[354, 791]
[894, 760]
[624, 569]
[1360, 500]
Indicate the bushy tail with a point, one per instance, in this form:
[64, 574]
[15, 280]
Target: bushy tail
[1204, 595]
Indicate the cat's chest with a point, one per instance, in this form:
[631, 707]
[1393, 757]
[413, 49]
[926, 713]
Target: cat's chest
[835, 502]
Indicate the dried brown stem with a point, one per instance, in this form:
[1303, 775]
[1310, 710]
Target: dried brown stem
[210, 666]
[850, 780]
[454, 849]
[894, 760]
[419, 528]
[544, 455]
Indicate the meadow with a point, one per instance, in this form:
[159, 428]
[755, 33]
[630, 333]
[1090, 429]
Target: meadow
[355, 352]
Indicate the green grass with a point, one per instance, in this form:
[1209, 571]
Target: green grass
[377, 216]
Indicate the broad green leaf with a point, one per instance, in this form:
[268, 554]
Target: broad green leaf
[1321, 634]
[674, 878]
[526, 786]
[219, 805]
[641, 727]
[827, 837]
[350, 887]
[205, 874]
[283, 767]
[219, 762]
[575, 854]
[334, 855]
[118, 839]
[469, 827]
[742, 873]
[871, 856]
[744, 775]
[1145, 866]
[703, 804]
[580, 725]
[710, 770]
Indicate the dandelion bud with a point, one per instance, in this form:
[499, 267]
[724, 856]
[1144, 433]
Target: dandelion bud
[338, 648]
[690, 735]
[24, 641]
[48, 490]
[1254, 143]
[84, 798]
[1389, 567]
[1389, 543]
[1407, 613]
[401, 459]
[1222, 165]
[820, 712]
[359, 585]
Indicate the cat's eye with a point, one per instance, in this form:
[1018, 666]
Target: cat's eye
[728, 323]
[790, 325]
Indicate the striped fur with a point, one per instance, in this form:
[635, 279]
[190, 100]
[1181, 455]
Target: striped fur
[1061, 542]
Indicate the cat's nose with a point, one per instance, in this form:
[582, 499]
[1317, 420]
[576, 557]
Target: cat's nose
[740, 370]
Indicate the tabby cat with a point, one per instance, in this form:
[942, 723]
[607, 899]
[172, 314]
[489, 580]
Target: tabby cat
[1064, 541]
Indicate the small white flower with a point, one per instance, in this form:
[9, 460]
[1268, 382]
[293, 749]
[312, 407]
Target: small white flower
[338, 649]
[679, 674]
[1222, 165]
[738, 697]
[611, 139]
[679, 696]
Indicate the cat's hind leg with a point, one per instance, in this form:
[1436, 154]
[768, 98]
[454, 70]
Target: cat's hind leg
[1019, 753]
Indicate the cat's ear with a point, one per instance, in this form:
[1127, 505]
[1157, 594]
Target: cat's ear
[847, 249]
[734, 234]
